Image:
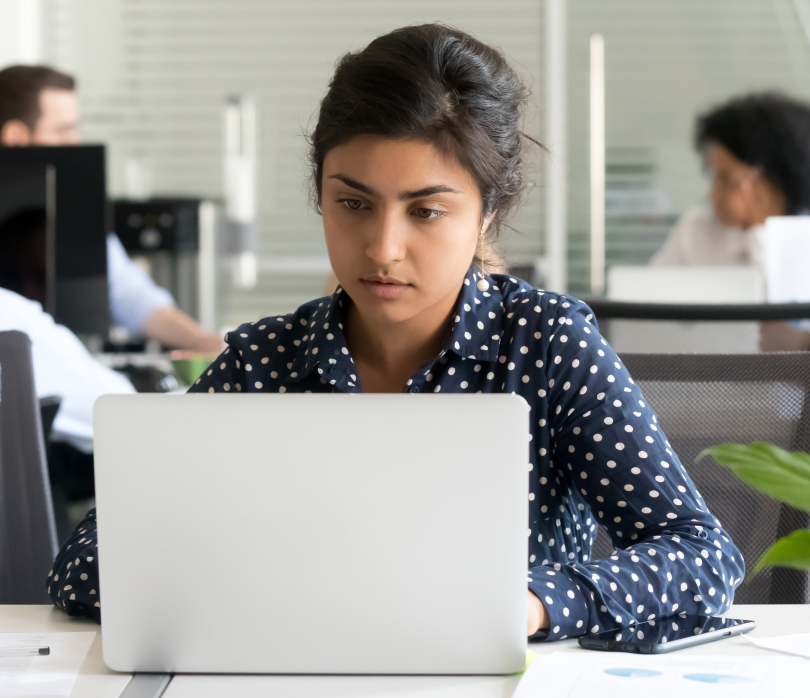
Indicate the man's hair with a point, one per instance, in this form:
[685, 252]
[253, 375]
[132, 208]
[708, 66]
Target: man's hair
[767, 130]
[20, 86]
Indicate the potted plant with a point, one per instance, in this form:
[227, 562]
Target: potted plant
[783, 475]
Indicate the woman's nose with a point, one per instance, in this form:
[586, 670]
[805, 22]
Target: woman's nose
[387, 240]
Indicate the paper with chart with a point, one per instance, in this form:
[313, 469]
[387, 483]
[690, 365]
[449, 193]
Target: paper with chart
[798, 644]
[34, 675]
[619, 675]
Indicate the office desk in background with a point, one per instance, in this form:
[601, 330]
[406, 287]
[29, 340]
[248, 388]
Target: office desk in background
[97, 681]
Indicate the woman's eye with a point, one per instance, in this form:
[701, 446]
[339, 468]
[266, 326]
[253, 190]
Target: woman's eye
[428, 213]
[352, 204]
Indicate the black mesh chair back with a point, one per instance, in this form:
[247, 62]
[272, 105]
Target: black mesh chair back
[27, 528]
[704, 400]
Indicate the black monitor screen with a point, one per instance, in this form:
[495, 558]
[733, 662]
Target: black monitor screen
[53, 228]
[26, 258]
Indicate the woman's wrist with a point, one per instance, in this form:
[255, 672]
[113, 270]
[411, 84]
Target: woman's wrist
[537, 615]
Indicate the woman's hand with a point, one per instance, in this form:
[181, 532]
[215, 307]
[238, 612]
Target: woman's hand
[537, 616]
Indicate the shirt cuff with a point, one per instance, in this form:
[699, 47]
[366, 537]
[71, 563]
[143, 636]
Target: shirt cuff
[565, 603]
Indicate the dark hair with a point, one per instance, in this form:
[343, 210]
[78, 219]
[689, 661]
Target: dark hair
[20, 86]
[440, 85]
[770, 131]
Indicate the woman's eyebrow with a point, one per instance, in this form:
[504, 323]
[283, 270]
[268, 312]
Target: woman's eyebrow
[428, 191]
[403, 196]
[353, 184]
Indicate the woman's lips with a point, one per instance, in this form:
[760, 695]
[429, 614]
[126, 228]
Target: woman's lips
[385, 289]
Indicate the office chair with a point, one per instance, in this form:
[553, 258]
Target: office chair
[704, 400]
[27, 528]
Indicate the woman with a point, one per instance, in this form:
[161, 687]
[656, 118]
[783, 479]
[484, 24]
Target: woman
[417, 158]
[757, 149]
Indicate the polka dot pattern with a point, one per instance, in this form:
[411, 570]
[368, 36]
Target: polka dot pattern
[597, 454]
[73, 582]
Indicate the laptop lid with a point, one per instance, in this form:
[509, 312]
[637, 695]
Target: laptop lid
[698, 285]
[787, 245]
[369, 534]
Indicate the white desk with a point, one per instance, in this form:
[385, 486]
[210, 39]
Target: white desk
[96, 681]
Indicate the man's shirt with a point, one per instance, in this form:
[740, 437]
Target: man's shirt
[134, 296]
[63, 367]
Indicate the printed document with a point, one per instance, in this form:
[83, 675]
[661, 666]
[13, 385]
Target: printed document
[26, 672]
[620, 675]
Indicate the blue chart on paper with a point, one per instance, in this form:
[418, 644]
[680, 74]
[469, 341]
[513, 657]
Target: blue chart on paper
[632, 673]
[718, 678]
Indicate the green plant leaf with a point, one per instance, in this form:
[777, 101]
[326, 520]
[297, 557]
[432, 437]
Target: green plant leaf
[780, 474]
[791, 551]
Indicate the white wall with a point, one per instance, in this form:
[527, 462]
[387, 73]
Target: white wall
[20, 32]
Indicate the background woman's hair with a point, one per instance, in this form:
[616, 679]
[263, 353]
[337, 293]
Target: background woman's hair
[770, 131]
[437, 84]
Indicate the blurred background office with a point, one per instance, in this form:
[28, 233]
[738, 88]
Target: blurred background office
[202, 106]
[153, 77]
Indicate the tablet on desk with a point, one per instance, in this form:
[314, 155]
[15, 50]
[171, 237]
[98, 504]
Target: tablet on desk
[666, 634]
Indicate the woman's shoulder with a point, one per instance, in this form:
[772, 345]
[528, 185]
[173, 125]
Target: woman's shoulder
[285, 332]
[263, 354]
[525, 305]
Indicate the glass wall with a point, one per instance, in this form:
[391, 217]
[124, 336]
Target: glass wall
[153, 75]
[666, 61]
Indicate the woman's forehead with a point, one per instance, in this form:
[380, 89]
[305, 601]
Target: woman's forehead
[718, 157]
[394, 165]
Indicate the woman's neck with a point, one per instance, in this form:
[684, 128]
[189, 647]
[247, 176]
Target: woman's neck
[387, 355]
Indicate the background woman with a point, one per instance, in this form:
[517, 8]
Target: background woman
[757, 150]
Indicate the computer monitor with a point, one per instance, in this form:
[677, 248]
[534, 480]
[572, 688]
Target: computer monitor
[54, 218]
[787, 244]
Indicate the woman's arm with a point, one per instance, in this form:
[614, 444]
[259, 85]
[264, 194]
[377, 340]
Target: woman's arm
[73, 581]
[620, 472]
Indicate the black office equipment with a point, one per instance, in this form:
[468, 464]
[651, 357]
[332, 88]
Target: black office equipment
[164, 235]
[65, 252]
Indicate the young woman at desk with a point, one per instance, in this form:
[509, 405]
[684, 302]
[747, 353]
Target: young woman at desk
[417, 158]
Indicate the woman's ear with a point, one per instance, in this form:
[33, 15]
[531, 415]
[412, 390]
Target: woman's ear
[15, 132]
[487, 221]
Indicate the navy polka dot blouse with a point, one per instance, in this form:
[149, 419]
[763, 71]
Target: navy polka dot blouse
[598, 456]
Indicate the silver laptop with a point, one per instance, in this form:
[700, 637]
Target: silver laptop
[677, 284]
[324, 534]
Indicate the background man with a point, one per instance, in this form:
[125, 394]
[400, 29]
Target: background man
[39, 106]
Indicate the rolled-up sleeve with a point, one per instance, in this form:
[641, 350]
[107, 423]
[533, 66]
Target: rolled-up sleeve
[134, 296]
[671, 555]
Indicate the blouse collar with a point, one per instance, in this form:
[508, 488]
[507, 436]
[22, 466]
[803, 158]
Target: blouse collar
[475, 333]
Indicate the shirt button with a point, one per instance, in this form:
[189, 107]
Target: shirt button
[414, 389]
[702, 534]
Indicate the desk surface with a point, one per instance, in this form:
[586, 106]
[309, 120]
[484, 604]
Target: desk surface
[96, 681]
